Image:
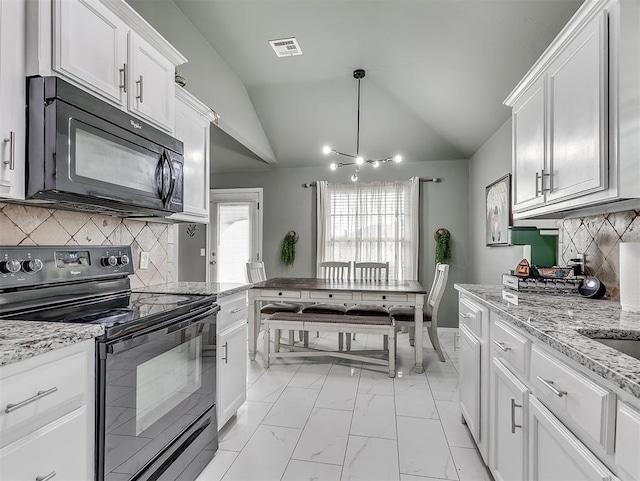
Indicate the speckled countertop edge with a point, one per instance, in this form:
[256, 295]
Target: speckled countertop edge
[23, 339]
[218, 289]
[560, 320]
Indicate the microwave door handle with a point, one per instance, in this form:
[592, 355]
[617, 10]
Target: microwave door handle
[160, 179]
[172, 183]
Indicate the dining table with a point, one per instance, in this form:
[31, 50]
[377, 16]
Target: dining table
[406, 293]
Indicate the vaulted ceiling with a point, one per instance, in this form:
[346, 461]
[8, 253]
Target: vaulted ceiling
[437, 71]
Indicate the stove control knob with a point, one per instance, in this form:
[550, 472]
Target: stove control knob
[124, 260]
[10, 267]
[34, 265]
[109, 261]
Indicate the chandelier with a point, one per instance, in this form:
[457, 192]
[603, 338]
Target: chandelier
[358, 160]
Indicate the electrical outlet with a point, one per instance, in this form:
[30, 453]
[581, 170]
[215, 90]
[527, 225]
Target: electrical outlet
[144, 260]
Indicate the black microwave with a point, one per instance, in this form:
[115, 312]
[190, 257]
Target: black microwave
[84, 154]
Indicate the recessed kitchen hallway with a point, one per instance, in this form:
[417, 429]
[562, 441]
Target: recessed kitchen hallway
[348, 421]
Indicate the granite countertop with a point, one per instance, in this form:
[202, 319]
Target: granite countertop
[561, 320]
[218, 289]
[23, 339]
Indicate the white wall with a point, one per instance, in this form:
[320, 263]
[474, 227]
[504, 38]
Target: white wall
[488, 164]
[208, 77]
[289, 206]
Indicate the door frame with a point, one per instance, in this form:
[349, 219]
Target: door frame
[234, 195]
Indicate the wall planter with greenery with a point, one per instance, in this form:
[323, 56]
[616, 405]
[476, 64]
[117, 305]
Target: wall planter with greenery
[288, 254]
[443, 245]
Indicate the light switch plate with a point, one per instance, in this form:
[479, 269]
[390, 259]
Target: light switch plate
[144, 260]
[203, 252]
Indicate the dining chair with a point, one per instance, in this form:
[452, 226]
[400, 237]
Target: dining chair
[368, 271]
[405, 316]
[255, 274]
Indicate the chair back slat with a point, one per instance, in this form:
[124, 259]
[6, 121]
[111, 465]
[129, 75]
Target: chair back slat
[334, 270]
[255, 272]
[371, 271]
[438, 287]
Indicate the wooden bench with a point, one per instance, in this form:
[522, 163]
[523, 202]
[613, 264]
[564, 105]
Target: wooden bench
[331, 323]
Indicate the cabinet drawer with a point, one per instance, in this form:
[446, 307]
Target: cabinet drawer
[511, 347]
[62, 447]
[328, 295]
[628, 441]
[233, 309]
[385, 297]
[273, 294]
[56, 388]
[470, 316]
[572, 396]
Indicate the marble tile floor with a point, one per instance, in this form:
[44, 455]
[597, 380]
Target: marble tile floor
[342, 420]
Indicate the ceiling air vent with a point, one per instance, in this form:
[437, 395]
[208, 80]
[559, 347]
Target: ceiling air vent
[285, 47]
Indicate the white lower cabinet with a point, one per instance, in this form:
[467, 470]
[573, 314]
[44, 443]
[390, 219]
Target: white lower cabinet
[58, 450]
[555, 454]
[509, 407]
[231, 345]
[628, 442]
[470, 380]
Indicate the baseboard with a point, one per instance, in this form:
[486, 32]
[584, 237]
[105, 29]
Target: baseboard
[448, 329]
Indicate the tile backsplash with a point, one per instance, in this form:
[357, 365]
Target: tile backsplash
[27, 225]
[599, 237]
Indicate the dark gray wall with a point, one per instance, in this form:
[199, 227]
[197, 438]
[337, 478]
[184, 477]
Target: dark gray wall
[192, 267]
[488, 164]
[289, 206]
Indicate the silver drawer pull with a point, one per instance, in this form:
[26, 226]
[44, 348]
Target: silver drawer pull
[502, 346]
[236, 310]
[49, 476]
[11, 140]
[40, 395]
[549, 385]
[226, 352]
[513, 416]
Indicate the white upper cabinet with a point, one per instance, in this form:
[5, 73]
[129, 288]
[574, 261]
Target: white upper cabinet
[151, 83]
[12, 98]
[575, 115]
[193, 121]
[105, 47]
[90, 47]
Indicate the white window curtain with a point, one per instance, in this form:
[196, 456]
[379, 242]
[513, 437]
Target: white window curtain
[370, 222]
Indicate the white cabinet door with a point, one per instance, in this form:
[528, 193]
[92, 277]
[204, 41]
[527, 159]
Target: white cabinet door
[528, 133]
[555, 454]
[12, 98]
[151, 83]
[192, 128]
[90, 47]
[577, 86]
[508, 425]
[60, 448]
[232, 371]
[469, 382]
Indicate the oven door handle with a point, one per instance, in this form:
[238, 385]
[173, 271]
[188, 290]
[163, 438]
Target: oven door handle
[159, 331]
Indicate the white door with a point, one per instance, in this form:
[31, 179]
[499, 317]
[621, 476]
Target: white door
[469, 383]
[90, 47]
[578, 114]
[235, 233]
[508, 429]
[555, 454]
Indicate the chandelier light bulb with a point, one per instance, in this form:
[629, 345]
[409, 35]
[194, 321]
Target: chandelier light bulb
[397, 158]
[354, 177]
[333, 166]
[359, 160]
[326, 150]
[375, 163]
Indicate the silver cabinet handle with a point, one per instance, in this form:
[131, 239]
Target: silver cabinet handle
[140, 86]
[11, 140]
[236, 310]
[513, 416]
[40, 395]
[549, 385]
[226, 352]
[538, 189]
[49, 476]
[123, 73]
[502, 346]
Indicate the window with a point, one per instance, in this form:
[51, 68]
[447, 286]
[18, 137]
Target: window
[370, 222]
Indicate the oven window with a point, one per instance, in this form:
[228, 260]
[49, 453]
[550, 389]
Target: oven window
[163, 382]
[99, 158]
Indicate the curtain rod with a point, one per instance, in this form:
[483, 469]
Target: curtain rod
[421, 179]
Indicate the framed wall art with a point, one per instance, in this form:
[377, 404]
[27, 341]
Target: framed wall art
[498, 211]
